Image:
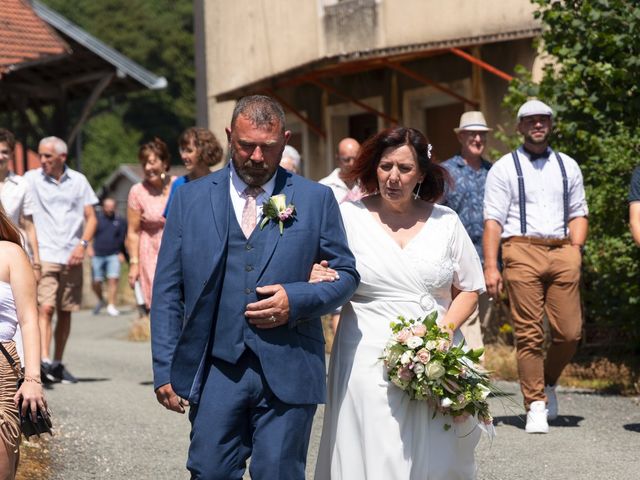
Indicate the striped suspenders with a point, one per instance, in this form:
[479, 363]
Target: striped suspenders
[522, 197]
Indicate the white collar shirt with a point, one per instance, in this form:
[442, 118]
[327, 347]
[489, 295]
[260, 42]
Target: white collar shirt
[58, 213]
[543, 193]
[340, 189]
[237, 187]
[336, 184]
[16, 197]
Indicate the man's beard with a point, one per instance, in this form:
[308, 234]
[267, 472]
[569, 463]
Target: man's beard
[529, 139]
[253, 174]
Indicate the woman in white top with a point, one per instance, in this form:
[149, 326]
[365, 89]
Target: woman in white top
[17, 305]
[411, 255]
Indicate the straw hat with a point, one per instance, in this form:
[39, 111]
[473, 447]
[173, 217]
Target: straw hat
[472, 121]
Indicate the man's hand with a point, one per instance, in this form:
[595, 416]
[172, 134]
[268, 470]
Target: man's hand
[77, 255]
[272, 311]
[322, 273]
[493, 280]
[169, 400]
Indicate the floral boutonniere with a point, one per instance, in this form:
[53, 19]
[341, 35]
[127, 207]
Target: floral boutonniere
[276, 209]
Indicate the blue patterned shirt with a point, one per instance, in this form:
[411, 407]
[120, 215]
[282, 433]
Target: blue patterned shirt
[466, 197]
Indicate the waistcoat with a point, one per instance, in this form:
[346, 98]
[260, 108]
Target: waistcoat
[232, 332]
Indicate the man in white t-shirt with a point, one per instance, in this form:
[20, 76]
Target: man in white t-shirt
[66, 222]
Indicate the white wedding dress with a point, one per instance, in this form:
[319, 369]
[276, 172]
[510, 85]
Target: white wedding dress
[372, 429]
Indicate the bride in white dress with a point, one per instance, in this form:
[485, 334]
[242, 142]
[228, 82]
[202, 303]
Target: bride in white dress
[409, 253]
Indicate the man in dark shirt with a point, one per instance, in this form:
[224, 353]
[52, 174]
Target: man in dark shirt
[107, 253]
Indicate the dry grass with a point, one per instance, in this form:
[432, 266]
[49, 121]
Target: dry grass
[604, 374]
[35, 459]
[140, 329]
[599, 373]
[501, 360]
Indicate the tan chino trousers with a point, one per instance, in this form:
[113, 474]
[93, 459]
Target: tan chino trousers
[543, 279]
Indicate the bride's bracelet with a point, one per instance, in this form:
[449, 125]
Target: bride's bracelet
[33, 379]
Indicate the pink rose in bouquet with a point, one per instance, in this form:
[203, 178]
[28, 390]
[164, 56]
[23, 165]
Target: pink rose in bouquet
[403, 335]
[423, 355]
[419, 330]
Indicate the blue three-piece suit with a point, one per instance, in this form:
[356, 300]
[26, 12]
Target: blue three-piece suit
[252, 391]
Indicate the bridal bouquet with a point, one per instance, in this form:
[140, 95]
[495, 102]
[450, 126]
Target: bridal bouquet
[421, 360]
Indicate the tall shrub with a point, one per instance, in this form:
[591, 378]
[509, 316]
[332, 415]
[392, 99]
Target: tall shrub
[592, 83]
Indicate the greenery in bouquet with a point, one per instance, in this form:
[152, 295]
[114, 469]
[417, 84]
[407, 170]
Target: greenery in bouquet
[422, 361]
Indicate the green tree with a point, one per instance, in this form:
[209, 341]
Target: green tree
[157, 34]
[592, 84]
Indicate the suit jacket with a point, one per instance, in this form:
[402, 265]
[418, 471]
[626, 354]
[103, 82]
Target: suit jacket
[189, 276]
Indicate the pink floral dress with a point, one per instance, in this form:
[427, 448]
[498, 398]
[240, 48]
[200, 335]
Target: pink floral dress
[150, 202]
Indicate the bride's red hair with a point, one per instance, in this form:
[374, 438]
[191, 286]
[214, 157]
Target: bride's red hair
[366, 163]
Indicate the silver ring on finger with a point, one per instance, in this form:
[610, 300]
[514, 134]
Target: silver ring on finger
[272, 319]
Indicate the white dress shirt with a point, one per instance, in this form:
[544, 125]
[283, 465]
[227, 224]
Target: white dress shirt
[58, 213]
[237, 187]
[543, 192]
[340, 189]
[16, 197]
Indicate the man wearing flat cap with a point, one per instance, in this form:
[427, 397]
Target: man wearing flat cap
[468, 171]
[535, 207]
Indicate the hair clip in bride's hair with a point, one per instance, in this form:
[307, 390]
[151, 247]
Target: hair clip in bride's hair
[429, 148]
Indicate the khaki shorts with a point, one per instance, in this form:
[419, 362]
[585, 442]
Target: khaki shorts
[60, 286]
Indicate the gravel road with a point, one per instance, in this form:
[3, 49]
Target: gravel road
[109, 425]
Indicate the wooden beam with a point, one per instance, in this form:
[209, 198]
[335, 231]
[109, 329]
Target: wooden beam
[86, 110]
[33, 91]
[67, 82]
[480, 63]
[317, 130]
[426, 80]
[362, 105]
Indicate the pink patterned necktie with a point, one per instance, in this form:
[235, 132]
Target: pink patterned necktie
[249, 213]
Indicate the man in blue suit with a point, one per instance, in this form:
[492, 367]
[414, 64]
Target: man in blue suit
[235, 325]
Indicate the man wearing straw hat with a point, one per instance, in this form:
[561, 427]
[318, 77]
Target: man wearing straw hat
[468, 171]
[535, 207]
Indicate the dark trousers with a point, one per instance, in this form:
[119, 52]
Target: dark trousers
[239, 417]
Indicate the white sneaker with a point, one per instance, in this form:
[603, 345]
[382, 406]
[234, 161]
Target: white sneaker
[552, 402]
[112, 310]
[537, 418]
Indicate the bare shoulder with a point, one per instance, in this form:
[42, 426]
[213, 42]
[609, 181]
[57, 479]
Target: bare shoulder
[11, 256]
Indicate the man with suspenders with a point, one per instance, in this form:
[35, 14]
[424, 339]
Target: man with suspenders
[535, 208]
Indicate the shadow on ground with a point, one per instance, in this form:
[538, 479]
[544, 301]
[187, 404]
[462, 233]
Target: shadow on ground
[632, 427]
[519, 421]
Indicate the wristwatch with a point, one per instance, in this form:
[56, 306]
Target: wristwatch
[84, 243]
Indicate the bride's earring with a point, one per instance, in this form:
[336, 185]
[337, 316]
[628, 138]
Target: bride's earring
[416, 195]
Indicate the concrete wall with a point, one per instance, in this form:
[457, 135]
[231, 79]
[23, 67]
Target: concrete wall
[251, 40]
[248, 40]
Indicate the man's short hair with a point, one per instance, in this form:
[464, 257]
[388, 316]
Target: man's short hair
[261, 110]
[292, 153]
[59, 145]
[7, 137]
